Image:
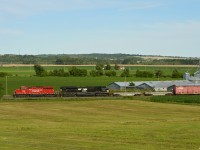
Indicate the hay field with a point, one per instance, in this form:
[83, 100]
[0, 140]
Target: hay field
[98, 124]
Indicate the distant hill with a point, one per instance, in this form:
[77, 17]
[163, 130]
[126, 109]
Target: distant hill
[87, 59]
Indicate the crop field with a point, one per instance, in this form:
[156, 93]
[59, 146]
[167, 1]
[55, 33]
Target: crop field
[29, 71]
[98, 124]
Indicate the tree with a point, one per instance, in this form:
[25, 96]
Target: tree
[176, 74]
[125, 73]
[96, 73]
[74, 71]
[131, 84]
[116, 67]
[39, 70]
[107, 67]
[99, 66]
[143, 74]
[59, 72]
[158, 73]
[110, 73]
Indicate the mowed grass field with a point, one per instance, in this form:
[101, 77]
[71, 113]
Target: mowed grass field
[98, 125]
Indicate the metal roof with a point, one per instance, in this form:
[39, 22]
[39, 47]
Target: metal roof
[157, 84]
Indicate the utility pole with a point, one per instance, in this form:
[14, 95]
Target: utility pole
[6, 85]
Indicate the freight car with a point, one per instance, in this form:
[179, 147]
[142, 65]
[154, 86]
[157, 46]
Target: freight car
[157, 93]
[186, 90]
[70, 91]
[35, 91]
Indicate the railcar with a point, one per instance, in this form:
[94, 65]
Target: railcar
[186, 90]
[68, 91]
[35, 91]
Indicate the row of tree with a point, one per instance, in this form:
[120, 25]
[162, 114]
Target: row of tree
[101, 70]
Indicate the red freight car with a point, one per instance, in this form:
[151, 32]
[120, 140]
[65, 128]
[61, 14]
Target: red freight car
[35, 91]
[186, 90]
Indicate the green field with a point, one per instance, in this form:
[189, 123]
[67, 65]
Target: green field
[24, 75]
[98, 124]
[15, 82]
[29, 71]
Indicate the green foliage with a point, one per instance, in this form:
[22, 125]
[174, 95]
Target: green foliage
[3, 74]
[144, 74]
[110, 73]
[116, 67]
[59, 72]
[96, 73]
[74, 71]
[39, 70]
[107, 67]
[158, 73]
[99, 66]
[131, 84]
[132, 60]
[125, 73]
[93, 59]
[176, 74]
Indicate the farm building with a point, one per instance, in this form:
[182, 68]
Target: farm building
[194, 79]
[159, 86]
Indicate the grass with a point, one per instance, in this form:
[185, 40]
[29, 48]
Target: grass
[98, 124]
[29, 71]
[187, 99]
[15, 82]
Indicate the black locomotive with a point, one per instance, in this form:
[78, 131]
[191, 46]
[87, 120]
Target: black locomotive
[71, 91]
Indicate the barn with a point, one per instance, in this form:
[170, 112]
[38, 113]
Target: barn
[158, 86]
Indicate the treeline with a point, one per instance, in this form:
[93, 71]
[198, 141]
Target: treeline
[103, 70]
[80, 59]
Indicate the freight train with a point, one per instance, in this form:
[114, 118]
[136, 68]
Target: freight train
[74, 91]
[65, 91]
[178, 90]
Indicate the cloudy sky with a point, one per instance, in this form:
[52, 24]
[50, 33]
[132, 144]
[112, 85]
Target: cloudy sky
[156, 27]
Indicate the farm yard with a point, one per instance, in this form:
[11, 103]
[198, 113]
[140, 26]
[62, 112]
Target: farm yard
[96, 123]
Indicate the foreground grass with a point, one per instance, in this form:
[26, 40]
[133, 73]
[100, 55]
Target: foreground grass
[98, 124]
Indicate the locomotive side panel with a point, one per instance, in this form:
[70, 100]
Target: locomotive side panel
[66, 91]
[34, 91]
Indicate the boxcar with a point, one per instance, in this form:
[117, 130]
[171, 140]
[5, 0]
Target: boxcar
[186, 90]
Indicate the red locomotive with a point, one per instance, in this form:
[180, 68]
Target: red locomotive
[35, 91]
[186, 90]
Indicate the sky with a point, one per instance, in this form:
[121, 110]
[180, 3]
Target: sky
[145, 27]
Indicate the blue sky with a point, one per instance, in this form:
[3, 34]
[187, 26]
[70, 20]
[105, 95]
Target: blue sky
[147, 27]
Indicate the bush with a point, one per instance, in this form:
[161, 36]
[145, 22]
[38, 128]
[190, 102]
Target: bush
[110, 73]
[40, 71]
[96, 73]
[3, 74]
[59, 72]
[144, 74]
[73, 71]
